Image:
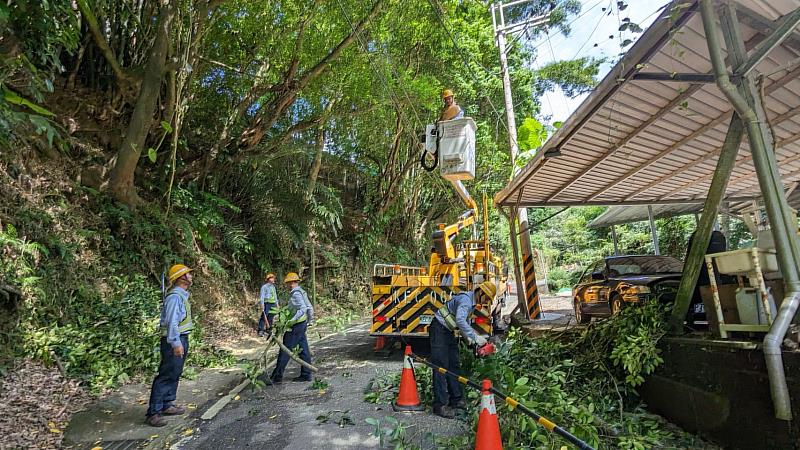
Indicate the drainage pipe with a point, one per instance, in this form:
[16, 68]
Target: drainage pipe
[785, 243]
[772, 352]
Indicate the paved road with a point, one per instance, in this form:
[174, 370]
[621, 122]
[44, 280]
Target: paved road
[285, 416]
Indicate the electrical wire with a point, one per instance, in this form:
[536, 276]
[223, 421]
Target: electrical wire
[591, 35]
[567, 25]
[439, 15]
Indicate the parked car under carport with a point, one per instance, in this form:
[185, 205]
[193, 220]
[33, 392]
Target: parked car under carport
[614, 282]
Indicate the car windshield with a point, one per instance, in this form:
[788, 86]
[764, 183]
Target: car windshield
[643, 265]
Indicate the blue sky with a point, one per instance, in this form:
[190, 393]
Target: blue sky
[594, 26]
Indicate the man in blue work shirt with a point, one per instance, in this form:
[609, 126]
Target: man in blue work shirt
[176, 323]
[268, 304]
[454, 314]
[302, 315]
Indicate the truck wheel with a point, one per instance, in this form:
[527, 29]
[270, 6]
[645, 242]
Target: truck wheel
[580, 317]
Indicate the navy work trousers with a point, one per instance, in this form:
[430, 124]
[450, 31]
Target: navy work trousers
[291, 339]
[268, 314]
[444, 353]
[165, 384]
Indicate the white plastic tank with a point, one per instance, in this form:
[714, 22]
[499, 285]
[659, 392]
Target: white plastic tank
[455, 140]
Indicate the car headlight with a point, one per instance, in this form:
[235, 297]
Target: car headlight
[635, 293]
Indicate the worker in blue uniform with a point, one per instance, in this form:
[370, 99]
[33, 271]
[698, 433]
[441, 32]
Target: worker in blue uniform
[175, 325]
[267, 305]
[452, 316]
[302, 315]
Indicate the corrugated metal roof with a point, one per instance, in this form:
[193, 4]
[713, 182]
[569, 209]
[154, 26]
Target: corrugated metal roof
[617, 215]
[637, 141]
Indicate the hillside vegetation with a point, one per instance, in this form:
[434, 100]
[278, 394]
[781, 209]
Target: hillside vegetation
[238, 137]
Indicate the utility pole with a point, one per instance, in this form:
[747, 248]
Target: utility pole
[527, 295]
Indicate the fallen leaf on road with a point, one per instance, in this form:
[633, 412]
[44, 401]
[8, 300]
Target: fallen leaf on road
[188, 432]
[192, 406]
[141, 401]
[153, 436]
[237, 398]
[272, 417]
[97, 448]
[55, 430]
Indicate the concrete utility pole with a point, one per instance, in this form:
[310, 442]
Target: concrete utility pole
[527, 295]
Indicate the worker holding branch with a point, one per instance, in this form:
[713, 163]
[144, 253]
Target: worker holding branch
[450, 110]
[302, 315]
[452, 316]
[268, 305]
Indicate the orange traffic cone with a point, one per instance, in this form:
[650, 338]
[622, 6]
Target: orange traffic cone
[407, 398]
[488, 434]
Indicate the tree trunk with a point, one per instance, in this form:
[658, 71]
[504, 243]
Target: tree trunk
[320, 147]
[287, 90]
[121, 178]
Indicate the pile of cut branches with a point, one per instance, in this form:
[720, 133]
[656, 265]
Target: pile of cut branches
[584, 380]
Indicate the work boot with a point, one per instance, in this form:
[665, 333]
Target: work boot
[461, 404]
[443, 411]
[301, 379]
[173, 411]
[273, 381]
[156, 420]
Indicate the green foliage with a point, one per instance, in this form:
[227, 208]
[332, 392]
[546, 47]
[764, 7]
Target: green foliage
[383, 389]
[584, 381]
[531, 136]
[34, 35]
[391, 433]
[87, 303]
[574, 77]
[558, 278]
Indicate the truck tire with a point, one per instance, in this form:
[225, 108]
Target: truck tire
[580, 317]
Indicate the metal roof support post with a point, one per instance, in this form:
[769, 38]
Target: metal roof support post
[653, 230]
[745, 99]
[614, 238]
[695, 257]
[783, 31]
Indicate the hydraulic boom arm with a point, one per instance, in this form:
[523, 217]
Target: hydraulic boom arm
[465, 197]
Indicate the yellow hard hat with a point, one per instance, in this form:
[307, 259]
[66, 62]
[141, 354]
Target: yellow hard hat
[488, 288]
[291, 276]
[177, 271]
[270, 275]
[447, 93]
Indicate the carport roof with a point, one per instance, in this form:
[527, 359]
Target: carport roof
[618, 215]
[642, 137]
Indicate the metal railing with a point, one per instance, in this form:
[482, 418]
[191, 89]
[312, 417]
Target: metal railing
[387, 270]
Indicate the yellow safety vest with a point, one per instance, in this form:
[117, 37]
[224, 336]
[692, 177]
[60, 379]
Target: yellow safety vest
[449, 318]
[302, 318]
[185, 325]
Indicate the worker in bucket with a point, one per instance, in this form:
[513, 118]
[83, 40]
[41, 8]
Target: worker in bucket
[267, 305]
[302, 315]
[450, 110]
[454, 314]
[176, 323]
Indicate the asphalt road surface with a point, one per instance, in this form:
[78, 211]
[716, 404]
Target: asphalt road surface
[286, 416]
